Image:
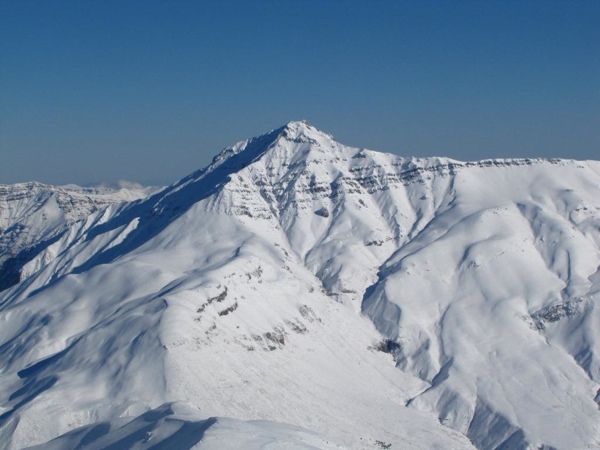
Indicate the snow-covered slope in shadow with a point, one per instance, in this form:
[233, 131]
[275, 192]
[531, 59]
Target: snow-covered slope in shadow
[180, 426]
[362, 295]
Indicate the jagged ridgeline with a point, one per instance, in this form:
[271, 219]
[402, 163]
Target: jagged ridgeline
[377, 300]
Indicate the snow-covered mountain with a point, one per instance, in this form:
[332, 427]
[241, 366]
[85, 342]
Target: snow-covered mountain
[33, 215]
[374, 299]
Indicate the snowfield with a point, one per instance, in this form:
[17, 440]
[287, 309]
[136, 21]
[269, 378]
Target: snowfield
[378, 301]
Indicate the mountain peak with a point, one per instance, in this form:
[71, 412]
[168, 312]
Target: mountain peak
[299, 126]
[292, 124]
[295, 132]
[302, 131]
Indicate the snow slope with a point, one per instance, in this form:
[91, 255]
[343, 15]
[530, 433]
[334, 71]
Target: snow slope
[179, 426]
[422, 303]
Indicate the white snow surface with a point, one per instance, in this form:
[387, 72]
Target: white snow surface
[181, 426]
[266, 286]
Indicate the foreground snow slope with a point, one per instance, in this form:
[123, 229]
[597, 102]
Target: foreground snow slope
[261, 286]
[180, 426]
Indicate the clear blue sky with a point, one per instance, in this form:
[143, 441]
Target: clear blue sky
[150, 90]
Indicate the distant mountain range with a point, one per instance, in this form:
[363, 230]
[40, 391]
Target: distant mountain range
[375, 300]
[32, 215]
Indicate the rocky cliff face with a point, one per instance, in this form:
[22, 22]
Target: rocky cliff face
[366, 296]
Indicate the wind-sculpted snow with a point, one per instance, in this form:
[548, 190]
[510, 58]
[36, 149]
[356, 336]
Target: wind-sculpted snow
[383, 302]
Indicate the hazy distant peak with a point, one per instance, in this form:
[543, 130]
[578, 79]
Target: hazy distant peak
[116, 185]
